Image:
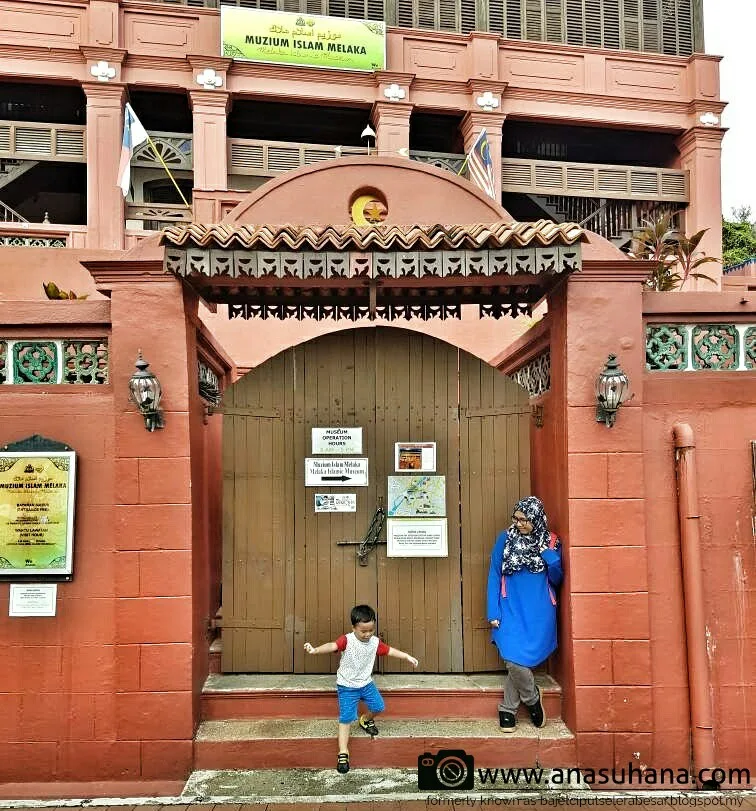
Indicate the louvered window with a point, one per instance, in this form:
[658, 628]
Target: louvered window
[631, 25]
[357, 9]
[469, 22]
[635, 25]
[658, 26]
[514, 19]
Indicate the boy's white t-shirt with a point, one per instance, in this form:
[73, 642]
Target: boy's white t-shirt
[357, 659]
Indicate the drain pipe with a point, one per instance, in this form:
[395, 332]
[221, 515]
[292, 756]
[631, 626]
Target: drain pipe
[701, 717]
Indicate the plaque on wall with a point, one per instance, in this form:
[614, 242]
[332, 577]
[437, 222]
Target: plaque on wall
[37, 497]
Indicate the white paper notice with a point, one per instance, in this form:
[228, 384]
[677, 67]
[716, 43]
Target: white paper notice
[38, 600]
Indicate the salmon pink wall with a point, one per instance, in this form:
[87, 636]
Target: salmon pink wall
[102, 699]
[58, 676]
[719, 408]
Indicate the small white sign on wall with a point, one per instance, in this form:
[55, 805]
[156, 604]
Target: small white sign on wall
[415, 456]
[335, 502]
[33, 600]
[337, 440]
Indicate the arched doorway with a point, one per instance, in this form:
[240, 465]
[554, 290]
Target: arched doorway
[291, 574]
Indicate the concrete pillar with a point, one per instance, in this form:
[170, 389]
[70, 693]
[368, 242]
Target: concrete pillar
[105, 210]
[606, 639]
[209, 114]
[391, 120]
[701, 154]
[154, 520]
[471, 126]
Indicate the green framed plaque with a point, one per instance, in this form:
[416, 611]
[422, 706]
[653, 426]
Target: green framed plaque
[37, 500]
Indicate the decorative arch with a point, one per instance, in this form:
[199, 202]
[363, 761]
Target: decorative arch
[413, 192]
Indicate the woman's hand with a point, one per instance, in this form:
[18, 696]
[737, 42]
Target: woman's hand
[493, 623]
[412, 660]
[308, 647]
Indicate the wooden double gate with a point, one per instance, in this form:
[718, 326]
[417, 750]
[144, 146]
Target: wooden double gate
[287, 575]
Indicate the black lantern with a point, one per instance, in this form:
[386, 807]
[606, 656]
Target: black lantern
[612, 389]
[145, 393]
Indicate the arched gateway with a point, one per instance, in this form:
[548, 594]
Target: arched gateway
[371, 248]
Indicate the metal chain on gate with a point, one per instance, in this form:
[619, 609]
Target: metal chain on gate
[370, 540]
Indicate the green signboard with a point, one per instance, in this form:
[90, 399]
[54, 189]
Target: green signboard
[302, 39]
[36, 513]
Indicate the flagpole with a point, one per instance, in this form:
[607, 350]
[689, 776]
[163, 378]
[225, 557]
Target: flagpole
[168, 171]
[464, 164]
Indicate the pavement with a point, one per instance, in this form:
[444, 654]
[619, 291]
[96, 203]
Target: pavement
[387, 790]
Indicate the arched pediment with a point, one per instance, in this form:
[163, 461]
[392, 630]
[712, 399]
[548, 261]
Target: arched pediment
[325, 193]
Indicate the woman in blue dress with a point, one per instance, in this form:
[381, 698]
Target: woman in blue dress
[526, 566]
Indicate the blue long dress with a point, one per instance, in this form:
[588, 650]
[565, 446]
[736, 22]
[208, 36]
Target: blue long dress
[525, 605]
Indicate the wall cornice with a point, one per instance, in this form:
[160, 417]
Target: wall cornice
[111, 273]
[615, 270]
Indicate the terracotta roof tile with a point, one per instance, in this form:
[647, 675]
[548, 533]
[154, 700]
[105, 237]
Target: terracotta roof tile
[377, 237]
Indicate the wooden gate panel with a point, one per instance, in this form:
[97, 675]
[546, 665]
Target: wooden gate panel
[286, 577]
[416, 399]
[495, 456]
[337, 389]
[256, 554]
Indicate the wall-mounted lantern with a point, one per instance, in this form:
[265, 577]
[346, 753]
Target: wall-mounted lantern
[612, 389]
[145, 392]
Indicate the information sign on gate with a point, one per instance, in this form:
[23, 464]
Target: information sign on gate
[336, 472]
[337, 440]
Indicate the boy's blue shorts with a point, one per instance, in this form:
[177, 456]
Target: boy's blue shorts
[349, 696]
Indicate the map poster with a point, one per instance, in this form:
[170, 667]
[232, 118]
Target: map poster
[416, 538]
[416, 496]
[417, 456]
[36, 513]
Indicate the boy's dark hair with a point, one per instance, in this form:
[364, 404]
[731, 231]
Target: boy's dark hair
[362, 613]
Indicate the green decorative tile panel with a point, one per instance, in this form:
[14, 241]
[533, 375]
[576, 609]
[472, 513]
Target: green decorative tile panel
[666, 347]
[35, 362]
[715, 346]
[749, 348]
[85, 361]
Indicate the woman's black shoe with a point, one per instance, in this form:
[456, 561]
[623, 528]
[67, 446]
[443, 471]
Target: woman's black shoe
[537, 715]
[507, 721]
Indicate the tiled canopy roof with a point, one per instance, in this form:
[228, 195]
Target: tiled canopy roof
[542, 233]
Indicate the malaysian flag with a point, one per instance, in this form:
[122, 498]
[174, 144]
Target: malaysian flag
[480, 167]
[133, 135]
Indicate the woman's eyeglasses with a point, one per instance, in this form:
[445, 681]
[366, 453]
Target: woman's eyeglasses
[516, 520]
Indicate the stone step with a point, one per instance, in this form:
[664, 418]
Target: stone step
[311, 743]
[407, 695]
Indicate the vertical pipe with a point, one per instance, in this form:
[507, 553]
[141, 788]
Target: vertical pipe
[701, 718]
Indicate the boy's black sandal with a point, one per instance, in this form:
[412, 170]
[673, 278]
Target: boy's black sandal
[369, 726]
[342, 764]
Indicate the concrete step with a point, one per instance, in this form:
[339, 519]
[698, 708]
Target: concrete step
[407, 695]
[271, 743]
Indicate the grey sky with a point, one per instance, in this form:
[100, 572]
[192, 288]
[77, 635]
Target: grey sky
[728, 28]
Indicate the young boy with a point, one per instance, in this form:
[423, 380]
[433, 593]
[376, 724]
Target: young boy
[354, 678]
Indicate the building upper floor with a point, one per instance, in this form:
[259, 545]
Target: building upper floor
[603, 134]
[672, 27]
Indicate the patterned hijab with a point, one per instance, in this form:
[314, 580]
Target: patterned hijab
[524, 551]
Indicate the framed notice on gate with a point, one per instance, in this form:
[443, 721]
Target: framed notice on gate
[37, 497]
[416, 538]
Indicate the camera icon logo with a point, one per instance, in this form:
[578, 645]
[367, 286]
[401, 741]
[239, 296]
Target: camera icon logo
[447, 769]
